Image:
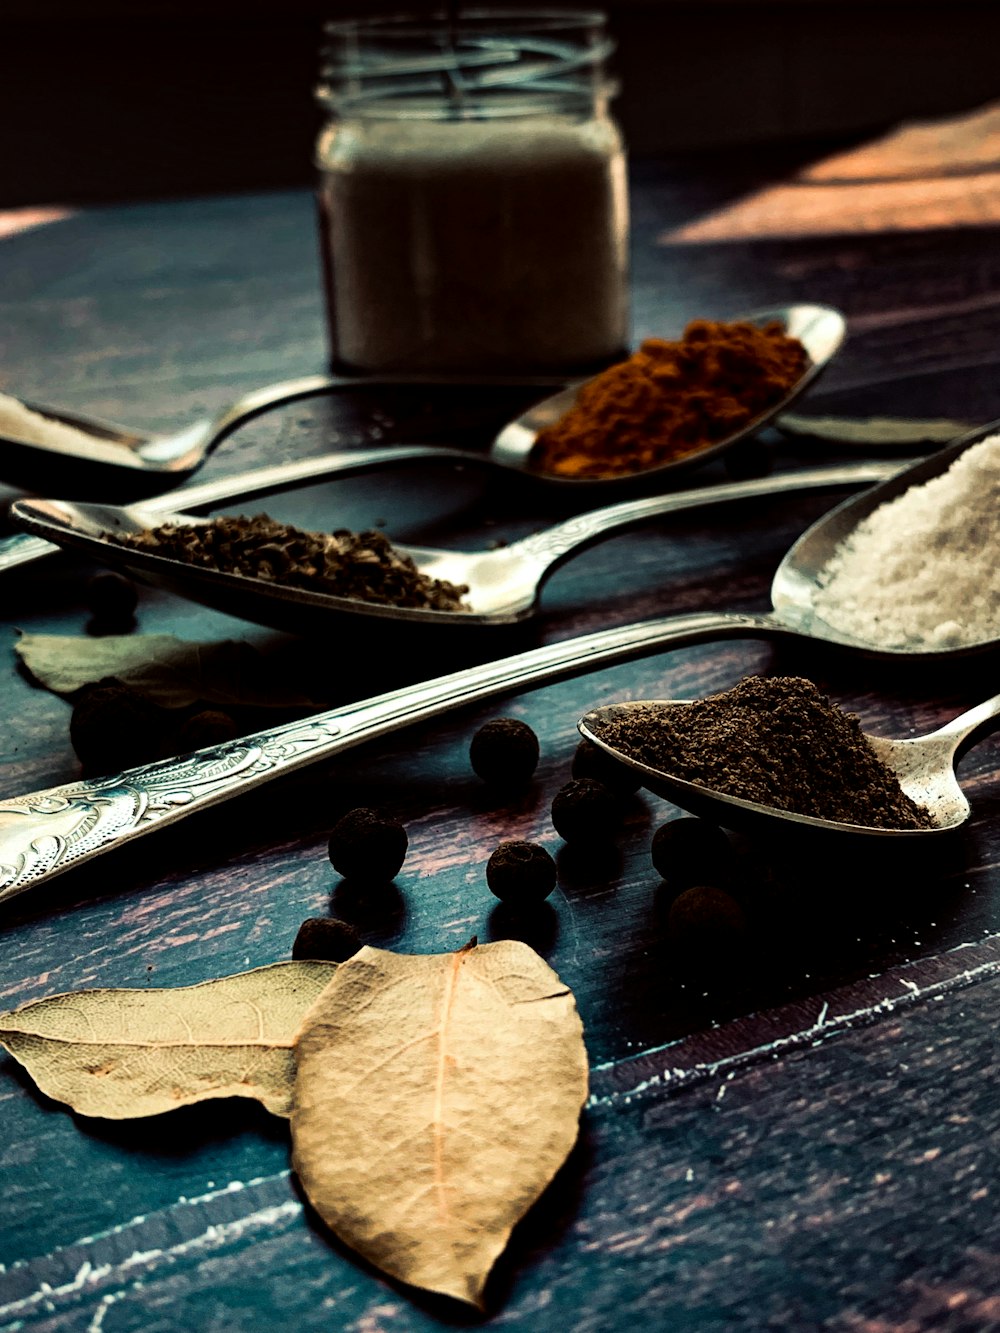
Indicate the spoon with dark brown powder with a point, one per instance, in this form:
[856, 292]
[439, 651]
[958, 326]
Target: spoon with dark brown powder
[777, 751]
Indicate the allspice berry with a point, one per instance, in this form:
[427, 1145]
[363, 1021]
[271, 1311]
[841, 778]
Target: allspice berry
[585, 811]
[691, 851]
[114, 727]
[590, 761]
[504, 752]
[365, 845]
[111, 600]
[327, 938]
[521, 873]
[706, 918]
[209, 727]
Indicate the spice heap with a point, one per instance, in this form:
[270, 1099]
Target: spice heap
[672, 398]
[911, 568]
[343, 564]
[779, 742]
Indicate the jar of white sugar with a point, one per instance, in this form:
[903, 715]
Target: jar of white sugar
[472, 194]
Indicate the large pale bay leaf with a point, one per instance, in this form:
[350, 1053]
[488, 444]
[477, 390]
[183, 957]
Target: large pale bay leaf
[170, 671]
[436, 1097]
[125, 1053]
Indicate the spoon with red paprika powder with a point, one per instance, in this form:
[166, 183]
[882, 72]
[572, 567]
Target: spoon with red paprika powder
[670, 406]
[675, 404]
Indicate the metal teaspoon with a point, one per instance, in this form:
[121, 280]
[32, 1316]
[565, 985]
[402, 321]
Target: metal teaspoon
[924, 765]
[504, 584]
[114, 462]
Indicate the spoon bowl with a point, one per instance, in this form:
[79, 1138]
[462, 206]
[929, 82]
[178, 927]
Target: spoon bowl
[115, 462]
[924, 765]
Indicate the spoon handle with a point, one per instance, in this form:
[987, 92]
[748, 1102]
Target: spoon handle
[872, 432]
[552, 546]
[44, 833]
[260, 400]
[970, 727]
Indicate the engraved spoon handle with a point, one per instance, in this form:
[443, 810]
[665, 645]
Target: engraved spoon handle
[44, 833]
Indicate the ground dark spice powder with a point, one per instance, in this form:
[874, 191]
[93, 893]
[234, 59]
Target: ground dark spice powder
[777, 741]
[363, 565]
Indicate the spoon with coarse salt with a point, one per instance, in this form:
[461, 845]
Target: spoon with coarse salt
[48, 449]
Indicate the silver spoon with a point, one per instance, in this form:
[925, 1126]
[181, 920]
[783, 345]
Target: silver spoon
[924, 765]
[504, 584]
[44, 833]
[115, 462]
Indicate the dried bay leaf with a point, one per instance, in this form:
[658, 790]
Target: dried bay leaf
[124, 1053]
[436, 1097]
[172, 672]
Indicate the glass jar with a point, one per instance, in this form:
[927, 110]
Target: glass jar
[472, 195]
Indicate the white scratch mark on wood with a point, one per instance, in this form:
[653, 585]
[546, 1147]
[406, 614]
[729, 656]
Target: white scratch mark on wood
[90, 1277]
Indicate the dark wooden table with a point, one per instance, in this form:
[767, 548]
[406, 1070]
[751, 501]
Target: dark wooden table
[803, 1139]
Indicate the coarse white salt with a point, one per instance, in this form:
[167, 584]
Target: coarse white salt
[18, 422]
[923, 570]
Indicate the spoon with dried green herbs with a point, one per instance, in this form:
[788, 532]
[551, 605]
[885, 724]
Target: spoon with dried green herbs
[775, 754]
[49, 448]
[282, 576]
[925, 582]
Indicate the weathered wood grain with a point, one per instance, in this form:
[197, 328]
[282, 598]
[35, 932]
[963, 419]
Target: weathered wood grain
[834, 1186]
[788, 1192]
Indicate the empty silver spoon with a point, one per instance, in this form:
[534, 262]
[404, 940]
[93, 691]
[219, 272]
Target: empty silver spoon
[117, 463]
[504, 584]
[924, 765]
